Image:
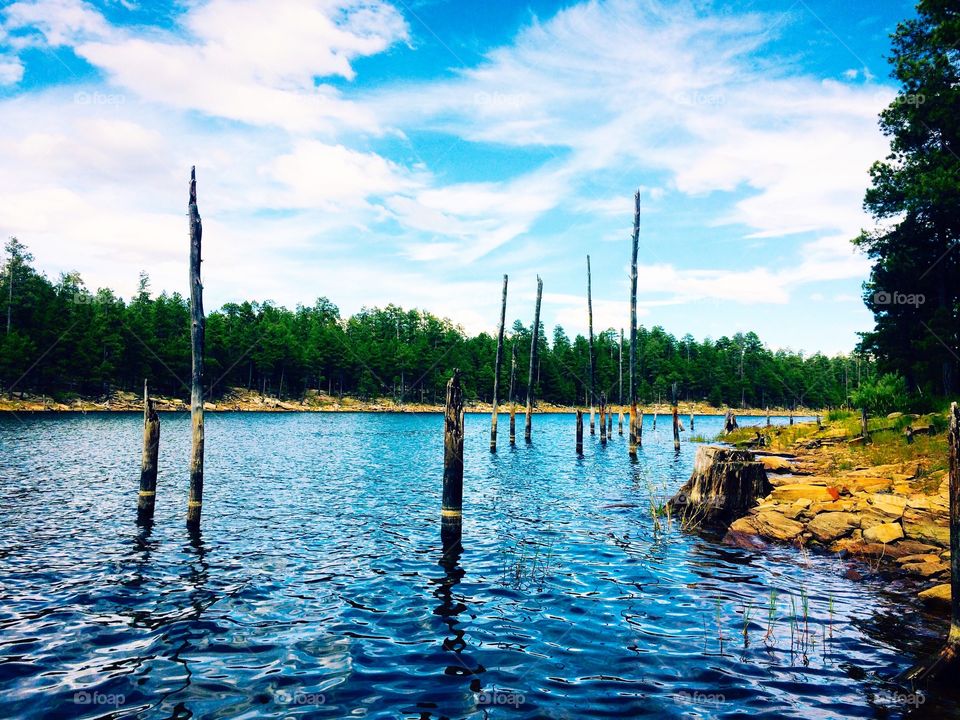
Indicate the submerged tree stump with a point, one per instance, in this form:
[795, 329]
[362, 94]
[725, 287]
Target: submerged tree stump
[724, 485]
[147, 497]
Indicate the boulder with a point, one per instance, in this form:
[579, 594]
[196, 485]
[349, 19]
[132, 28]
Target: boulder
[923, 558]
[851, 483]
[938, 595]
[926, 569]
[775, 464]
[927, 518]
[724, 485]
[830, 526]
[883, 533]
[775, 525]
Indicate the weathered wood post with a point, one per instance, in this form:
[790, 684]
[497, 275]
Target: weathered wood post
[609, 423]
[634, 425]
[603, 418]
[791, 415]
[620, 420]
[197, 327]
[496, 368]
[592, 378]
[676, 428]
[863, 424]
[513, 403]
[691, 422]
[944, 665]
[953, 639]
[768, 416]
[654, 419]
[534, 338]
[579, 431]
[148, 463]
[453, 416]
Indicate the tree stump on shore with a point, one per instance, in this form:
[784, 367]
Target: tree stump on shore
[724, 485]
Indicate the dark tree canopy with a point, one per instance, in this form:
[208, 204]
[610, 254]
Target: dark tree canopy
[913, 289]
[66, 341]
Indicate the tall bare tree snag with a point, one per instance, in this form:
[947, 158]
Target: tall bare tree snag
[592, 378]
[513, 403]
[496, 368]
[452, 507]
[197, 328]
[534, 339]
[635, 425]
[148, 463]
[943, 667]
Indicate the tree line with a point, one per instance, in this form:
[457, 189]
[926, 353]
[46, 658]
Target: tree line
[64, 341]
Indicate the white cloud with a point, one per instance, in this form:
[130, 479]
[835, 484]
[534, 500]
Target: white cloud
[254, 61]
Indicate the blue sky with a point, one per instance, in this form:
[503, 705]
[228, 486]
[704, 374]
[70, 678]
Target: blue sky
[413, 152]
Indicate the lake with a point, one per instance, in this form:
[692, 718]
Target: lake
[318, 586]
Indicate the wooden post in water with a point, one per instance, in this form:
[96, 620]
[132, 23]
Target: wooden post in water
[496, 368]
[197, 327]
[863, 424]
[603, 418]
[579, 431]
[791, 415]
[768, 416]
[148, 463]
[534, 337]
[676, 428]
[452, 508]
[592, 378]
[610, 423]
[944, 665]
[513, 404]
[691, 422]
[634, 425]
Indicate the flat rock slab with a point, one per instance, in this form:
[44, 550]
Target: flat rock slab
[830, 526]
[805, 490]
[883, 533]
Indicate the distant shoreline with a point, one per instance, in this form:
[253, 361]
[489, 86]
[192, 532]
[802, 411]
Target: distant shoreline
[316, 403]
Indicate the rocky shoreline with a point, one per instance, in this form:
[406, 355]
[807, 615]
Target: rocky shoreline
[895, 514]
[242, 400]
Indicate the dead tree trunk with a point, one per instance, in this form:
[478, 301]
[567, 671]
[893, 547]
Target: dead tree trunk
[943, 667]
[513, 403]
[534, 341]
[603, 418]
[724, 485]
[592, 377]
[676, 428]
[496, 368]
[634, 426]
[864, 432]
[579, 432]
[197, 327]
[148, 463]
[452, 507]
